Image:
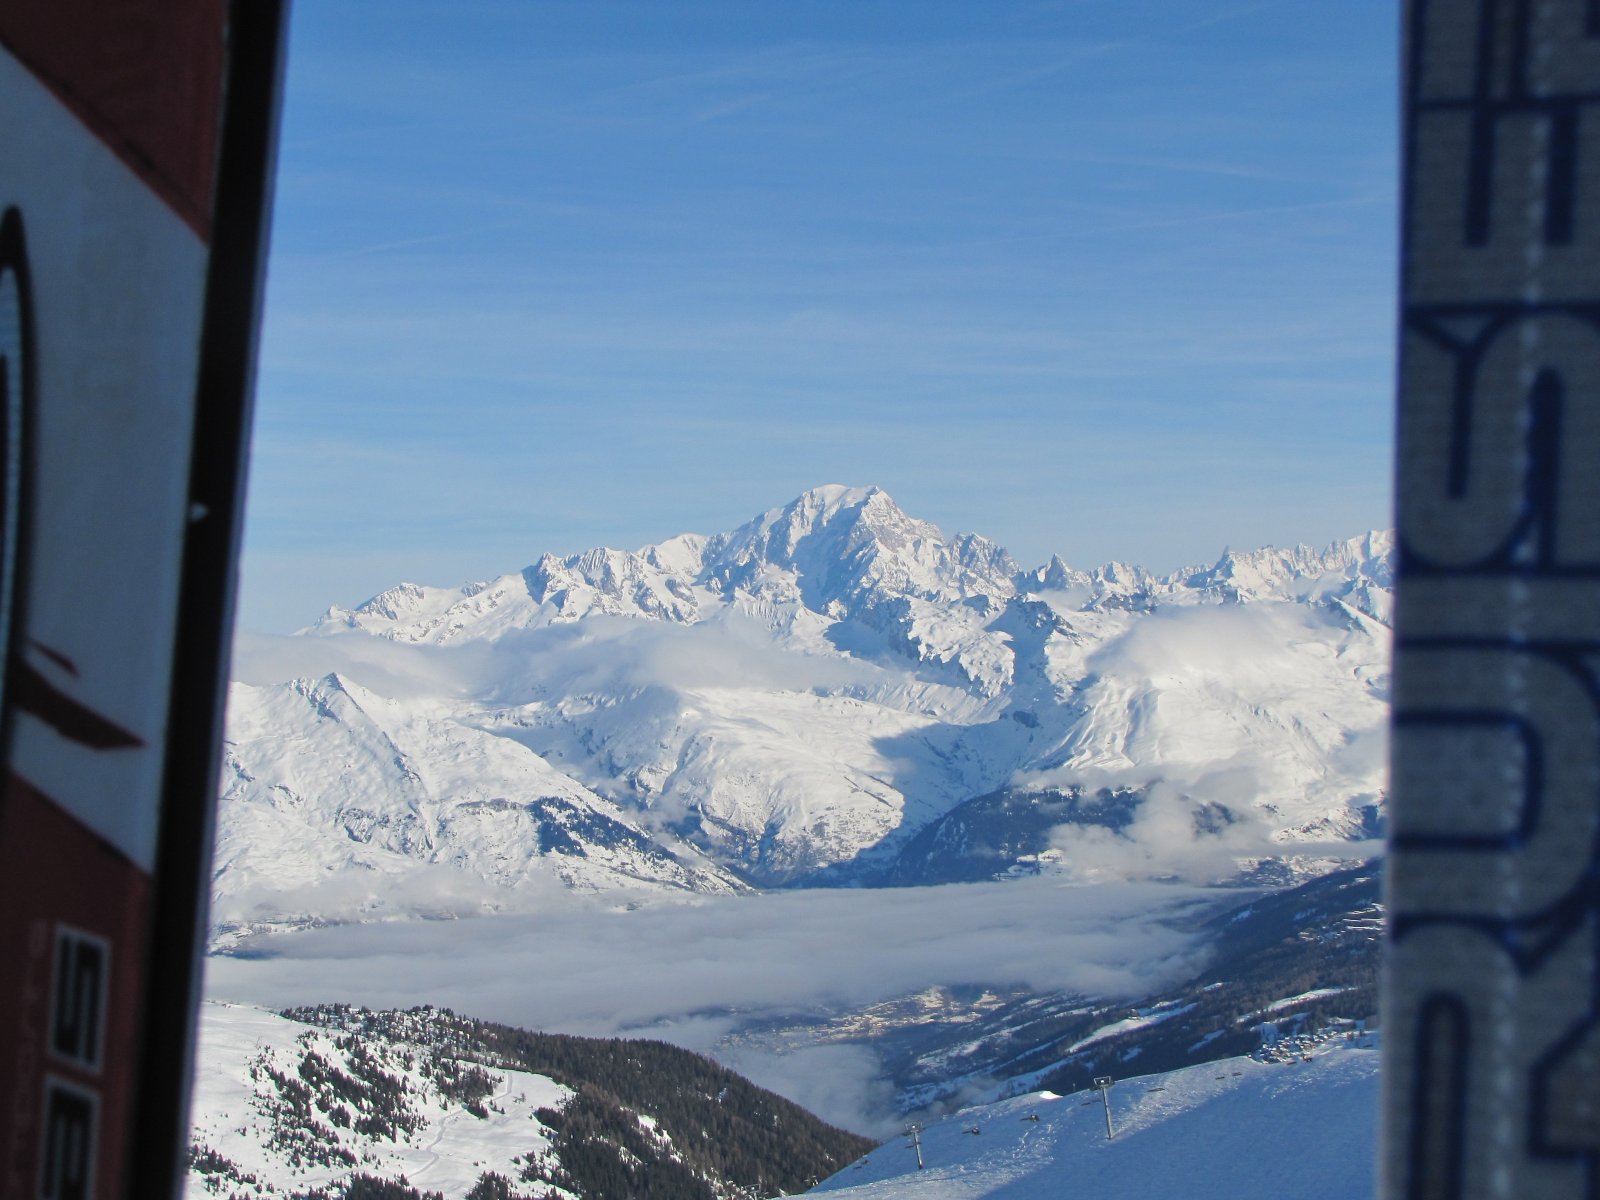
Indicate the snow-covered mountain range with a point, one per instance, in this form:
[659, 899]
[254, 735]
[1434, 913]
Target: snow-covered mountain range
[834, 692]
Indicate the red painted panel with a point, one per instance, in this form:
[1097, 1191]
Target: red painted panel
[58, 881]
[144, 75]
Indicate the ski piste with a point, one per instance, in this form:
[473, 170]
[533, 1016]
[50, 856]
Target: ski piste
[137, 151]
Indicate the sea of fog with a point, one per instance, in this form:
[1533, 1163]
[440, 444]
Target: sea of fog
[692, 972]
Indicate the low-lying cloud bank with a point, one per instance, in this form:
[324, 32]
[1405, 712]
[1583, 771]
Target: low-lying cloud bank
[690, 973]
[601, 653]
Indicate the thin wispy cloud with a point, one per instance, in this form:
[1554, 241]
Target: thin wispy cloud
[431, 239]
[1233, 170]
[1223, 16]
[1231, 214]
[729, 107]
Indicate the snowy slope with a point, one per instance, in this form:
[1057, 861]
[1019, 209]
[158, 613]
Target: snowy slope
[428, 1100]
[241, 1115]
[1237, 1129]
[339, 803]
[797, 698]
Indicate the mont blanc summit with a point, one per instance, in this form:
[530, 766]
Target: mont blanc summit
[818, 696]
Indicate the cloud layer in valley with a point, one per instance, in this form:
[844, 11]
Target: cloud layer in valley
[689, 973]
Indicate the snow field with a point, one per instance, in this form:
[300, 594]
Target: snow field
[1237, 1129]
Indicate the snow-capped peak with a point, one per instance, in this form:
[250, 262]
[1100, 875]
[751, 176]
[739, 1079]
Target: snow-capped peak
[1274, 571]
[858, 548]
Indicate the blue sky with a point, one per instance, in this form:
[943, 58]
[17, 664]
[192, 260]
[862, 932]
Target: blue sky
[1105, 278]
